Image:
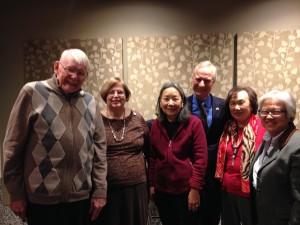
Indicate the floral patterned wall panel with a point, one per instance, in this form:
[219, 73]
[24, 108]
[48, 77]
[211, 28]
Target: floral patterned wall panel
[154, 60]
[105, 55]
[270, 60]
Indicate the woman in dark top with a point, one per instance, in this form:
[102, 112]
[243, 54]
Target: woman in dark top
[127, 133]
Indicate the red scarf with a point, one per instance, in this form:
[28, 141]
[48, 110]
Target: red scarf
[248, 149]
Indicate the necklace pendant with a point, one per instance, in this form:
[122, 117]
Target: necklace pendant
[118, 140]
[234, 155]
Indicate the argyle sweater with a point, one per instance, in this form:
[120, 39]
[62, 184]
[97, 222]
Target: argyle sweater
[55, 146]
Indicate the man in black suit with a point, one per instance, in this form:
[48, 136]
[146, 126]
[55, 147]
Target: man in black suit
[211, 110]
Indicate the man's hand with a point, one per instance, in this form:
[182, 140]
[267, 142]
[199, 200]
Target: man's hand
[97, 205]
[19, 208]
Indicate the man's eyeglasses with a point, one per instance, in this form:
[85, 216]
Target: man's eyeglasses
[273, 113]
[74, 71]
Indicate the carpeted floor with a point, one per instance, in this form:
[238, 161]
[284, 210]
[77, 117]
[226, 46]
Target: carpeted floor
[8, 218]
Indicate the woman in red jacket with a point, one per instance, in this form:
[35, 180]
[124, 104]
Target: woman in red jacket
[178, 158]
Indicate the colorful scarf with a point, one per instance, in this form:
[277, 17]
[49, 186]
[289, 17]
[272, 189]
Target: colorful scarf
[248, 149]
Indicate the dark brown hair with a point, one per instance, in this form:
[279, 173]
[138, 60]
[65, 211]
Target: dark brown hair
[252, 98]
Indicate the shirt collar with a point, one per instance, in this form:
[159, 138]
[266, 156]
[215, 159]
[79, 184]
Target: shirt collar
[267, 137]
[207, 101]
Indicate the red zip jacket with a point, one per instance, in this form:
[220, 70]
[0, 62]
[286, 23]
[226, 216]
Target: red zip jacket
[179, 164]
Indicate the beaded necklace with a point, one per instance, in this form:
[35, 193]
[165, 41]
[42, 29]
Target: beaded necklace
[112, 131]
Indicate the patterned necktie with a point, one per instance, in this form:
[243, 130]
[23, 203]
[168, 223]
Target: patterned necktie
[203, 116]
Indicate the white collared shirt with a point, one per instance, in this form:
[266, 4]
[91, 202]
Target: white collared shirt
[271, 143]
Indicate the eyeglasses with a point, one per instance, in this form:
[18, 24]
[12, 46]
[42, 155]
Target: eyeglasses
[274, 113]
[74, 71]
[118, 92]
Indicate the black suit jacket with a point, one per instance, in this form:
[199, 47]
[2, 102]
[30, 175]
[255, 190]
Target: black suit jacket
[213, 135]
[277, 198]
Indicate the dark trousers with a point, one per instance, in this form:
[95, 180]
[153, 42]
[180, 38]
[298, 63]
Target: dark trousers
[236, 210]
[74, 213]
[210, 205]
[173, 209]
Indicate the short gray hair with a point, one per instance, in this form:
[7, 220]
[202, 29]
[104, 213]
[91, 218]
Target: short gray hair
[208, 64]
[78, 55]
[283, 96]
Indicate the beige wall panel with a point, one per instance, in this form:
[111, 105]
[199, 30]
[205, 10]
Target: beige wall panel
[105, 55]
[270, 60]
[154, 60]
